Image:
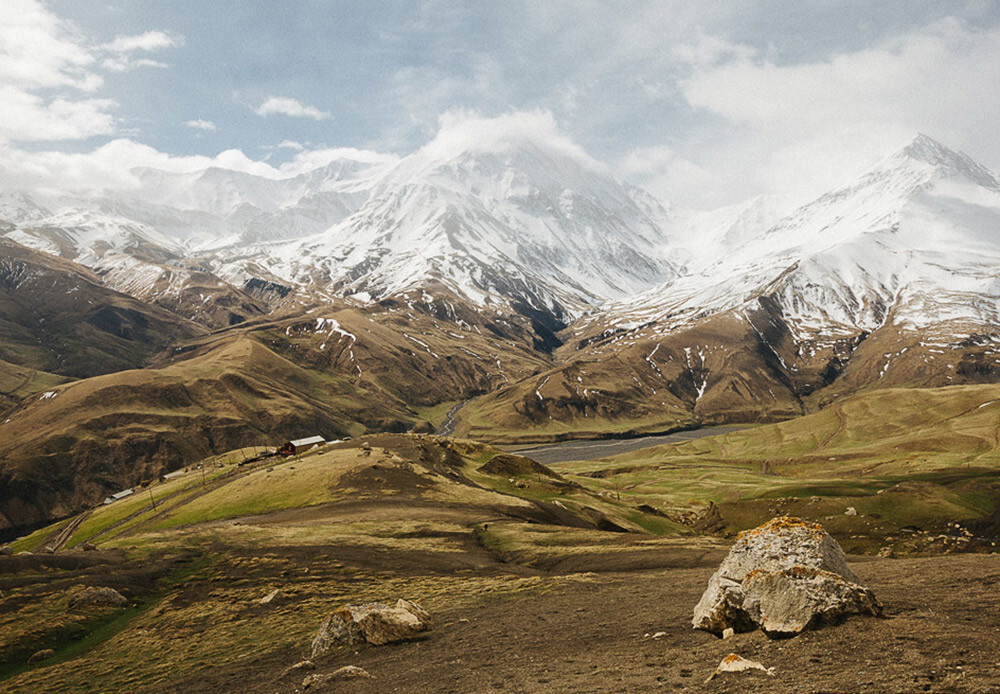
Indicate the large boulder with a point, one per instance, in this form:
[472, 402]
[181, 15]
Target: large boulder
[374, 623]
[785, 576]
[787, 602]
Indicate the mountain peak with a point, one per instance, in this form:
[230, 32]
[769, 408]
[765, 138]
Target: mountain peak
[925, 149]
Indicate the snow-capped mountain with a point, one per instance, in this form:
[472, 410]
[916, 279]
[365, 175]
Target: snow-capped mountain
[915, 240]
[514, 222]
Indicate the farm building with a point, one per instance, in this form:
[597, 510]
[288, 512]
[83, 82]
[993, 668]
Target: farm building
[301, 445]
[119, 495]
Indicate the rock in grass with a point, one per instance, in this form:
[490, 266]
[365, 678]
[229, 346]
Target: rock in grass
[43, 654]
[785, 576]
[348, 672]
[84, 596]
[273, 597]
[5, 550]
[374, 623]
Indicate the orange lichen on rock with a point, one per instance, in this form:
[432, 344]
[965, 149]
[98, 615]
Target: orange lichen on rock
[781, 523]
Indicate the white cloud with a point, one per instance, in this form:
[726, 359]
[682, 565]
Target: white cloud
[812, 125]
[286, 106]
[462, 131]
[39, 50]
[290, 144]
[149, 41]
[200, 124]
[45, 65]
[110, 166]
[661, 171]
[29, 117]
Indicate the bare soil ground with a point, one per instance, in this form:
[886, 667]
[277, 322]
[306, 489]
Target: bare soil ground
[525, 596]
[630, 632]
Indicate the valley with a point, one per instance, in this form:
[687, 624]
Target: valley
[542, 395]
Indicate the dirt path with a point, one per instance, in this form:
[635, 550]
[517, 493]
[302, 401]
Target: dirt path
[591, 450]
[63, 537]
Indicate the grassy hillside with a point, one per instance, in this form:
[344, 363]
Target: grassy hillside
[900, 458]
[336, 372]
[18, 382]
[61, 452]
[375, 518]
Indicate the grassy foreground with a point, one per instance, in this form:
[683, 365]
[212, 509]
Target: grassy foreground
[462, 528]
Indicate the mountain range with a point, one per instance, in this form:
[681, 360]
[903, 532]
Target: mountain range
[511, 283]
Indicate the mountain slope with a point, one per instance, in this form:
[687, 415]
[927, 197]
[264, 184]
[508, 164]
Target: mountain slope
[336, 372]
[58, 317]
[888, 282]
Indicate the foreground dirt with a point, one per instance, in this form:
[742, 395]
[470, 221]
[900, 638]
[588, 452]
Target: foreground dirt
[629, 632]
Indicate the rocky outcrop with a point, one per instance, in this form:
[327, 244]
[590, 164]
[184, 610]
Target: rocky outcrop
[96, 595]
[786, 576]
[374, 623]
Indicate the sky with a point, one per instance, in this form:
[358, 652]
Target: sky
[702, 103]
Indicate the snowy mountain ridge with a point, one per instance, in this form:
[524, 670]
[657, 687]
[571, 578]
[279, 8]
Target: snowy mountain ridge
[528, 222]
[915, 240]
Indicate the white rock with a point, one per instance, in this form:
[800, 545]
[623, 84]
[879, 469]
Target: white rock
[374, 623]
[787, 602]
[737, 663]
[271, 597]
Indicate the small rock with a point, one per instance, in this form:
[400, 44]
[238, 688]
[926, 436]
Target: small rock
[88, 547]
[851, 511]
[348, 672]
[299, 667]
[375, 623]
[6, 550]
[272, 597]
[83, 596]
[659, 634]
[728, 633]
[43, 654]
[737, 663]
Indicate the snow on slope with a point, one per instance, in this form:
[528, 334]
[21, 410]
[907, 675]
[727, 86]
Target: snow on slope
[85, 236]
[916, 239]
